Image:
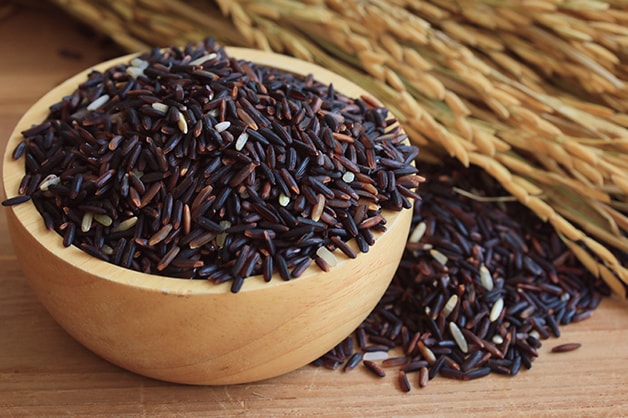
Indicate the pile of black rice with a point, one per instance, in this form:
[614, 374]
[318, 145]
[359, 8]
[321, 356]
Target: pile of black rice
[189, 163]
[481, 284]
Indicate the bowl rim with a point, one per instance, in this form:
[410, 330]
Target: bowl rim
[28, 216]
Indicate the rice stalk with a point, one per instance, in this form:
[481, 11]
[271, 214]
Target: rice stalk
[532, 91]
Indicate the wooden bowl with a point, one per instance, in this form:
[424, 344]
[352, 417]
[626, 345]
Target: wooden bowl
[192, 331]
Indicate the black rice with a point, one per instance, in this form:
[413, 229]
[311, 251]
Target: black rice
[186, 139]
[481, 284]
[16, 200]
[566, 347]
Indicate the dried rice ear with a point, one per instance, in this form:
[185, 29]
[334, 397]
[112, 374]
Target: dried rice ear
[450, 76]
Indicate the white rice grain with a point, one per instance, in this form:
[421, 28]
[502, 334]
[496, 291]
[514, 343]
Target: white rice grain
[98, 102]
[202, 60]
[222, 126]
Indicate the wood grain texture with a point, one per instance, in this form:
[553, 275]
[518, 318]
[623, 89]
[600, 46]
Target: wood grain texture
[44, 372]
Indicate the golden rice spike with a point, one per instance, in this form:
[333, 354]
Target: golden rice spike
[584, 257]
[615, 283]
[568, 79]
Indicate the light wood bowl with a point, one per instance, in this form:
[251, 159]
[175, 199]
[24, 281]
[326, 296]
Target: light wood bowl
[191, 331]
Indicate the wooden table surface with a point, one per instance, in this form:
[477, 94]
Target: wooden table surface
[44, 372]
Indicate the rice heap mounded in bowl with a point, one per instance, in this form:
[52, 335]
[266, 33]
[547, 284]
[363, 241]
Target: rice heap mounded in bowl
[188, 163]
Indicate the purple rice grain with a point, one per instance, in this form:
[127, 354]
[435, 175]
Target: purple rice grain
[404, 383]
[374, 368]
[16, 200]
[395, 362]
[566, 347]
[450, 373]
[477, 373]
